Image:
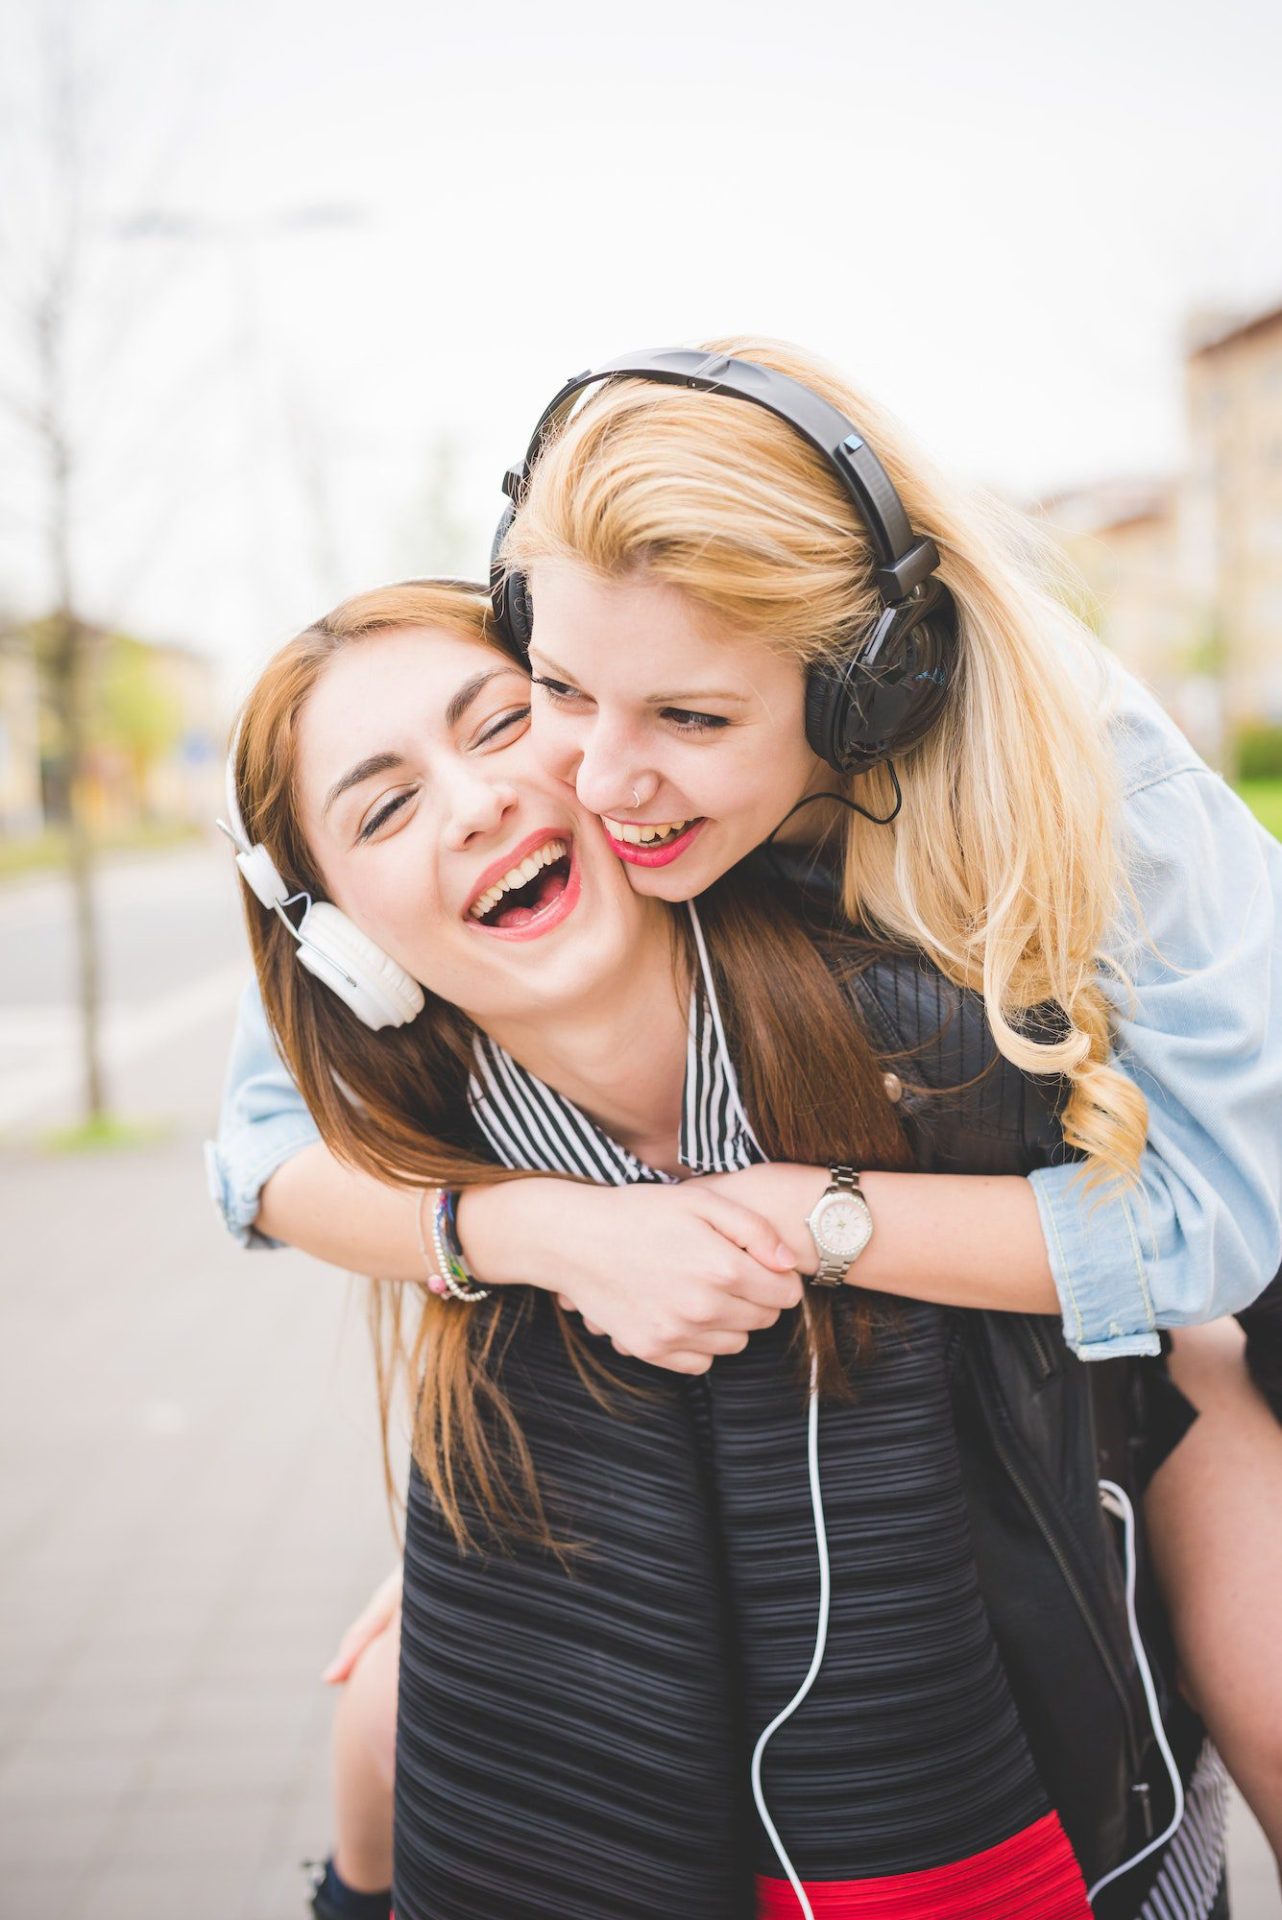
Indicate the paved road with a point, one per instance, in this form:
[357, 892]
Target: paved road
[173, 959]
[191, 1503]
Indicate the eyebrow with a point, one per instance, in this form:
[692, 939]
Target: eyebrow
[384, 762]
[723, 695]
[462, 700]
[363, 770]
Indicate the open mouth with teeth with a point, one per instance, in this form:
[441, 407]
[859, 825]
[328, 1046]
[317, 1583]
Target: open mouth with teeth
[534, 893]
[650, 843]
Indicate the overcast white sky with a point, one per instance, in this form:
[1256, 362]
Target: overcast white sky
[994, 216]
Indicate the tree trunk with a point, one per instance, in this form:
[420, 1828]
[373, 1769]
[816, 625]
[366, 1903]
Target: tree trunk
[56, 300]
[68, 677]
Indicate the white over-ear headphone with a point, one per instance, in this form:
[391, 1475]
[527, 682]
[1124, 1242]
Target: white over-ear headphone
[369, 981]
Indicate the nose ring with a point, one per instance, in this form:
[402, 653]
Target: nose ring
[636, 798]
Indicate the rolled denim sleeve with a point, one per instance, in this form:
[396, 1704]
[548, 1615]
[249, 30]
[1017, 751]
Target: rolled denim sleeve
[261, 1124]
[1201, 1035]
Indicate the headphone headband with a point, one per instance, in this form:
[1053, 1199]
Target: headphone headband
[876, 694]
[905, 558]
[234, 825]
[261, 874]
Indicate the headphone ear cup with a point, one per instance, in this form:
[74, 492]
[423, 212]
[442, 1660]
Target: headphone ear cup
[509, 596]
[825, 704]
[378, 990]
[520, 616]
[887, 694]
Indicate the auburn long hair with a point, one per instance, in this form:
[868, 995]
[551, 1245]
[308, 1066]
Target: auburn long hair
[393, 1103]
[1002, 865]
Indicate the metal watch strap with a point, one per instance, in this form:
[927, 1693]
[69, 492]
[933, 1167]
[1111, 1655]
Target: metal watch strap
[833, 1267]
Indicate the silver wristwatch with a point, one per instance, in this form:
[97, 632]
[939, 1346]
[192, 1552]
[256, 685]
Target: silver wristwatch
[840, 1225]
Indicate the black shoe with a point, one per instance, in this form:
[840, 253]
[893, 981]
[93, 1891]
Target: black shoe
[318, 1872]
[332, 1899]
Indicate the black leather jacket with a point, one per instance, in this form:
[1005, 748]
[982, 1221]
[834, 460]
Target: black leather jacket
[1030, 1417]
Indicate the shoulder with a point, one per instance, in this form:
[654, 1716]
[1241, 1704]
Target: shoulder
[964, 1102]
[967, 1106]
[1147, 745]
[1204, 878]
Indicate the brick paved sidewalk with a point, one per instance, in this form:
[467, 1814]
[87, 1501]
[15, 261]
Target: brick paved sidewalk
[190, 1511]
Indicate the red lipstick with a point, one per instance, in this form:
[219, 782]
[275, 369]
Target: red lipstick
[654, 856]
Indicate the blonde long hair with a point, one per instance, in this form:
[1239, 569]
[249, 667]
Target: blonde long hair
[1003, 865]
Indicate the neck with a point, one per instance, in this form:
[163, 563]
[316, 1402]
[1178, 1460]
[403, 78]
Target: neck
[619, 1052]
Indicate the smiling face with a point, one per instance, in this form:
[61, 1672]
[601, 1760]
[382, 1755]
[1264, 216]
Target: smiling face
[437, 832]
[688, 742]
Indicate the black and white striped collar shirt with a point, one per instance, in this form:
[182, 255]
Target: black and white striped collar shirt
[531, 1126]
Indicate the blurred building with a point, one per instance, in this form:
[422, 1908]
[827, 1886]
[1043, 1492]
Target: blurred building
[154, 735]
[1184, 573]
[1234, 508]
[1128, 540]
[159, 754]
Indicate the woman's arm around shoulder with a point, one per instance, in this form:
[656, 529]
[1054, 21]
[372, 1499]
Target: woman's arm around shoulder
[674, 1275]
[262, 1123]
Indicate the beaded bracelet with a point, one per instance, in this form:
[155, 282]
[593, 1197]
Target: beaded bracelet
[435, 1280]
[451, 1267]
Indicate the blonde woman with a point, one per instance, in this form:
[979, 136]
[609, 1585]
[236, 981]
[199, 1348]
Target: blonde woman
[1049, 839]
[689, 559]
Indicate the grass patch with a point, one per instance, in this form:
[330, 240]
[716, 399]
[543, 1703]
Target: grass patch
[1264, 797]
[47, 852]
[106, 1134]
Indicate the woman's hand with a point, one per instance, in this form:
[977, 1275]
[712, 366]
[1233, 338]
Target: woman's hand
[781, 1193]
[374, 1618]
[672, 1275]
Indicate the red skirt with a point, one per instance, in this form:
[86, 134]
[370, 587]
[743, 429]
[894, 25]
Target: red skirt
[1032, 1876]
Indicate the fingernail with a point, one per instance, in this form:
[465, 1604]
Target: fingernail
[785, 1255]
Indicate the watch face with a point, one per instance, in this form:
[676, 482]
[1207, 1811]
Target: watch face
[843, 1227]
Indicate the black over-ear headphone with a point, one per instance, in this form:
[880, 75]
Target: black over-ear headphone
[886, 689]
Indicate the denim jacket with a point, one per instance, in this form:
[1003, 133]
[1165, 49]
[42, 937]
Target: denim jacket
[1199, 1030]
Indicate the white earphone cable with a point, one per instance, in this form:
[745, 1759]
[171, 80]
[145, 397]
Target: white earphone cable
[1126, 1513]
[714, 1009]
[812, 1463]
[816, 1658]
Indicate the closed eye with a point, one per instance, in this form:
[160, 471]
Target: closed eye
[384, 813]
[503, 725]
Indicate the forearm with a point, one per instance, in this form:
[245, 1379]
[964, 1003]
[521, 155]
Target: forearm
[963, 1240]
[515, 1233]
[350, 1219]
